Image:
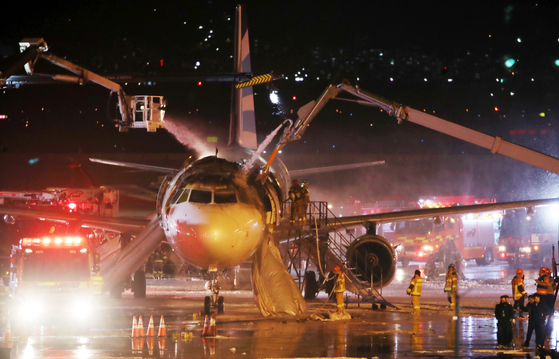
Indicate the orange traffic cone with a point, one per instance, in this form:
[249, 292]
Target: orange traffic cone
[151, 328]
[141, 332]
[162, 329]
[206, 331]
[137, 345]
[8, 334]
[151, 345]
[134, 328]
[162, 343]
[213, 329]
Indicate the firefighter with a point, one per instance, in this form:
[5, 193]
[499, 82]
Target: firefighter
[158, 263]
[543, 289]
[414, 290]
[339, 288]
[504, 314]
[550, 297]
[453, 256]
[451, 286]
[295, 195]
[518, 292]
[305, 200]
[536, 320]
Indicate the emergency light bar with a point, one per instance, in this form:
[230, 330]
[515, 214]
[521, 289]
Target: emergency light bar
[56, 241]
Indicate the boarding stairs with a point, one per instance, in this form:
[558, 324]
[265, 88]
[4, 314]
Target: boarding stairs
[326, 246]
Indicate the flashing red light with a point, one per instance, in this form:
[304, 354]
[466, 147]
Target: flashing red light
[496, 108]
[420, 254]
[199, 83]
[294, 98]
[502, 255]
[161, 62]
[57, 241]
[3, 117]
[72, 206]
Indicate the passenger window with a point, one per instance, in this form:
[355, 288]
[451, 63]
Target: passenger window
[199, 196]
[225, 197]
[183, 196]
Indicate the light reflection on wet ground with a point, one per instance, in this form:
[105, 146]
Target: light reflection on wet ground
[242, 332]
[369, 334]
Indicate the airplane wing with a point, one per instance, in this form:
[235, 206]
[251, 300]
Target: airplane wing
[338, 222]
[316, 170]
[135, 165]
[129, 225]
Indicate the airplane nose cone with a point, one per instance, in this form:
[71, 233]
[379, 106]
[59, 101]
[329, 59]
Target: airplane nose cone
[214, 239]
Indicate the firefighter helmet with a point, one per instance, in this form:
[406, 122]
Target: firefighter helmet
[336, 269]
[543, 269]
[451, 265]
[519, 271]
[295, 182]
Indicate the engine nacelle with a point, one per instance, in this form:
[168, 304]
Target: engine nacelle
[373, 255]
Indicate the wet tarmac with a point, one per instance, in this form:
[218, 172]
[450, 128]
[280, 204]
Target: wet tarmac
[243, 333]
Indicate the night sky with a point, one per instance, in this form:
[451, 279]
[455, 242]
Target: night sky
[443, 57]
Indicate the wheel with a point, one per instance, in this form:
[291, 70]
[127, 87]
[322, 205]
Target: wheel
[383, 306]
[116, 291]
[139, 284]
[207, 306]
[489, 256]
[405, 262]
[311, 285]
[375, 306]
[220, 305]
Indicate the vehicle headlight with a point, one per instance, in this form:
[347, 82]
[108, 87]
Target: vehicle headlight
[427, 248]
[525, 249]
[81, 308]
[31, 309]
[502, 249]
[536, 248]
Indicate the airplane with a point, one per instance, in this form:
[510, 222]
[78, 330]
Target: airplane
[221, 210]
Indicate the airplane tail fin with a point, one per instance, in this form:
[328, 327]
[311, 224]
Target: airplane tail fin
[242, 129]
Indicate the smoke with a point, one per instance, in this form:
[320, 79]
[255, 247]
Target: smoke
[188, 137]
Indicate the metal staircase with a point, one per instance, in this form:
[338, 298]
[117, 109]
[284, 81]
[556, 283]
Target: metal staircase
[317, 241]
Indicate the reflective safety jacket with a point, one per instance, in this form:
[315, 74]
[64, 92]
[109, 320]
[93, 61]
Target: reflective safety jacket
[518, 288]
[415, 285]
[542, 284]
[451, 284]
[340, 284]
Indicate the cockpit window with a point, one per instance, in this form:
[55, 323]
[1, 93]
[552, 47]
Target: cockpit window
[199, 196]
[183, 197]
[227, 196]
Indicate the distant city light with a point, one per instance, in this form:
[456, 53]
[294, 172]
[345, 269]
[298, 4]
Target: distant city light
[518, 39]
[557, 62]
[33, 161]
[197, 63]
[200, 27]
[542, 114]
[274, 97]
[449, 80]
[509, 63]
[496, 108]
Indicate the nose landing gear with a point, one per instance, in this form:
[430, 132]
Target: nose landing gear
[214, 300]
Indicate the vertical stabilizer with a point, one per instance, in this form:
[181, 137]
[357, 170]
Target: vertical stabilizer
[242, 128]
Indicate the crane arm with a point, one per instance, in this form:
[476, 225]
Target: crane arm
[84, 76]
[403, 113]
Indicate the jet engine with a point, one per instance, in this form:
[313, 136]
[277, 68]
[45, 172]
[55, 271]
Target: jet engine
[374, 258]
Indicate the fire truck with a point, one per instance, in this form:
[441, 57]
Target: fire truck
[94, 201]
[474, 235]
[52, 279]
[527, 236]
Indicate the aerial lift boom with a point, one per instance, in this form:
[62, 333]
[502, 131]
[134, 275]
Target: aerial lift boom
[141, 111]
[403, 113]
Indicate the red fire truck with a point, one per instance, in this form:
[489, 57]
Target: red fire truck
[527, 236]
[54, 278]
[474, 235]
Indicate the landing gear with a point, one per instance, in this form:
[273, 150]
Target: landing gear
[213, 300]
[139, 284]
